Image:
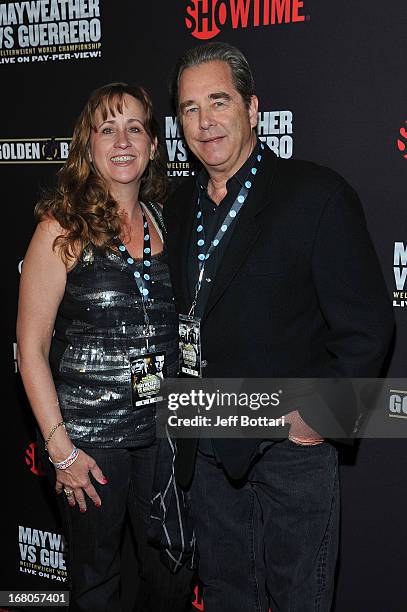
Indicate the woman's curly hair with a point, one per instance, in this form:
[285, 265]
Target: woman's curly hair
[81, 203]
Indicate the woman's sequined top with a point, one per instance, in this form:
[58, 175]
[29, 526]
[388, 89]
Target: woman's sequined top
[98, 325]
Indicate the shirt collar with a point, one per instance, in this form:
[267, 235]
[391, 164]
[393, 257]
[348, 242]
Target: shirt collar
[241, 174]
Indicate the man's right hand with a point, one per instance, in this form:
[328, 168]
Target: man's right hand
[301, 433]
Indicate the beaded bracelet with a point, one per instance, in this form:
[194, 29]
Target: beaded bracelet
[63, 465]
[51, 433]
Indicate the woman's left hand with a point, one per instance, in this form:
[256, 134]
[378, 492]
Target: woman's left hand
[75, 481]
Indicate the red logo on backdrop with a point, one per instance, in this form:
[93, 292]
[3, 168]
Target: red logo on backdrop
[402, 140]
[32, 459]
[198, 602]
[205, 18]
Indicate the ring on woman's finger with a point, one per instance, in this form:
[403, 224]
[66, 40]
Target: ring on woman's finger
[68, 492]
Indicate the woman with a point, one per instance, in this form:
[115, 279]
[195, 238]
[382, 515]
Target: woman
[95, 273]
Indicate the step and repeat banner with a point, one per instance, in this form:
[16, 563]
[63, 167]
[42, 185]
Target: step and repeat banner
[331, 83]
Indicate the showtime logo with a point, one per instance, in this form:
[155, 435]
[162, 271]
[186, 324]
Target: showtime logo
[32, 459]
[198, 602]
[206, 18]
[402, 140]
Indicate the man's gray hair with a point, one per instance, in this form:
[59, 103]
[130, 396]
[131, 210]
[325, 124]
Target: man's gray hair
[218, 51]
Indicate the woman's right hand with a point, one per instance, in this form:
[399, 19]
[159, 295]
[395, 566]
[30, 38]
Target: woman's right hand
[76, 478]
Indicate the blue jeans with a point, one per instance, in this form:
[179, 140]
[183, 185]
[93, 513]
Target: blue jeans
[94, 539]
[271, 540]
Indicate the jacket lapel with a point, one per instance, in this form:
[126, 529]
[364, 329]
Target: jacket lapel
[245, 232]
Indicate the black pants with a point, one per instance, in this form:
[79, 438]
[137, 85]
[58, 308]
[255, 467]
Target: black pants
[272, 539]
[94, 539]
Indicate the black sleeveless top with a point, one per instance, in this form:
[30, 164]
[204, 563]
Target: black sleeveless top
[98, 325]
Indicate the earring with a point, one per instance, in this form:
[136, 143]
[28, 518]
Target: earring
[152, 155]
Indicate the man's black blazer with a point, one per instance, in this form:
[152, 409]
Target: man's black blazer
[299, 292]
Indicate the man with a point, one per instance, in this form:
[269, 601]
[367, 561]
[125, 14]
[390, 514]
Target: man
[291, 288]
[159, 366]
[139, 367]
